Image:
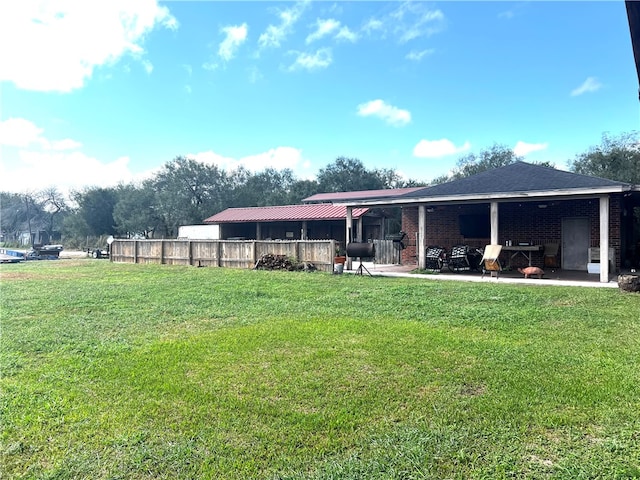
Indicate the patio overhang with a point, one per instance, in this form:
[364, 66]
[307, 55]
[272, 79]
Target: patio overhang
[490, 197]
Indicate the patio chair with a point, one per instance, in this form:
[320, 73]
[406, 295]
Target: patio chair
[457, 260]
[550, 255]
[434, 258]
[490, 261]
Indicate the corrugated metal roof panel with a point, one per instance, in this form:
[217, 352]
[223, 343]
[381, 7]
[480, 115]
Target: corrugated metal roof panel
[361, 195]
[285, 213]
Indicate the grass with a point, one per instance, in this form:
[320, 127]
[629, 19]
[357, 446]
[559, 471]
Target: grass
[144, 371]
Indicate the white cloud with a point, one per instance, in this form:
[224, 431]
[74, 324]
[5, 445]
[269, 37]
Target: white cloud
[235, 36]
[372, 25]
[276, 34]
[416, 56]
[345, 34]
[64, 41]
[18, 132]
[390, 114]
[409, 21]
[323, 28]
[278, 158]
[522, 148]
[307, 61]
[509, 14]
[255, 75]
[438, 148]
[591, 84]
[65, 171]
[66, 144]
[32, 162]
[148, 66]
[21, 133]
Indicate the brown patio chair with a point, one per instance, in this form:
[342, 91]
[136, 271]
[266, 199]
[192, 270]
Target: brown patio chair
[490, 261]
[550, 255]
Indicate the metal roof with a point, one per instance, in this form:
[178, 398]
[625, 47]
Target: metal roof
[360, 195]
[285, 213]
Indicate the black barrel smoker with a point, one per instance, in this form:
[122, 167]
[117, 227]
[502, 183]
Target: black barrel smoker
[361, 250]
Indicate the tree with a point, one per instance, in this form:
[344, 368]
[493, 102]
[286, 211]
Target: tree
[188, 191]
[348, 174]
[269, 187]
[495, 156]
[94, 215]
[54, 208]
[135, 211]
[17, 214]
[301, 189]
[616, 158]
[472, 164]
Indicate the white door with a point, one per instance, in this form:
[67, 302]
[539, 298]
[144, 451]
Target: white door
[575, 243]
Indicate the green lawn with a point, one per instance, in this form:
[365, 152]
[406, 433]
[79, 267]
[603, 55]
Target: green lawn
[116, 371]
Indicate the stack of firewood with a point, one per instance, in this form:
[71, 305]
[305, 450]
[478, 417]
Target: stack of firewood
[269, 261]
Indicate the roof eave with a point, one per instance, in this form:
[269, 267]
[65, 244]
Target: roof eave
[560, 193]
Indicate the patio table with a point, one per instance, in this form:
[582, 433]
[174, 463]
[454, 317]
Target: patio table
[524, 250]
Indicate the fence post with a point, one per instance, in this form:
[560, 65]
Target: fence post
[253, 252]
[135, 251]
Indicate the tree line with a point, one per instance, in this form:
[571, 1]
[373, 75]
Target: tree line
[185, 192]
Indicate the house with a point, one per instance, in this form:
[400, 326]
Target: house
[521, 203]
[590, 219]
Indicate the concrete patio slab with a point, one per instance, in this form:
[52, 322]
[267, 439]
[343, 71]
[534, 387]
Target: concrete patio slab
[555, 277]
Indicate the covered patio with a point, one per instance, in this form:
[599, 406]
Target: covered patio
[524, 207]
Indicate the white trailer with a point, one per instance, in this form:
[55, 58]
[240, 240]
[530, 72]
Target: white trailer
[199, 232]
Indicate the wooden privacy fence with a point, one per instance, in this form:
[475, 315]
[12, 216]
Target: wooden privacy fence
[237, 253]
[222, 253]
[386, 252]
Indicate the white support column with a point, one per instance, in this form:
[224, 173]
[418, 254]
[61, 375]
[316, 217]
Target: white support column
[604, 239]
[303, 231]
[258, 231]
[360, 222]
[347, 235]
[494, 223]
[422, 235]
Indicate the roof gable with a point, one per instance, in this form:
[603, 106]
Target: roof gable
[285, 213]
[514, 178]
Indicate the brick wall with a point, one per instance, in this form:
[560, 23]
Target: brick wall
[518, 222]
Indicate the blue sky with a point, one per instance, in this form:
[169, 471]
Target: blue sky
[96, 93]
